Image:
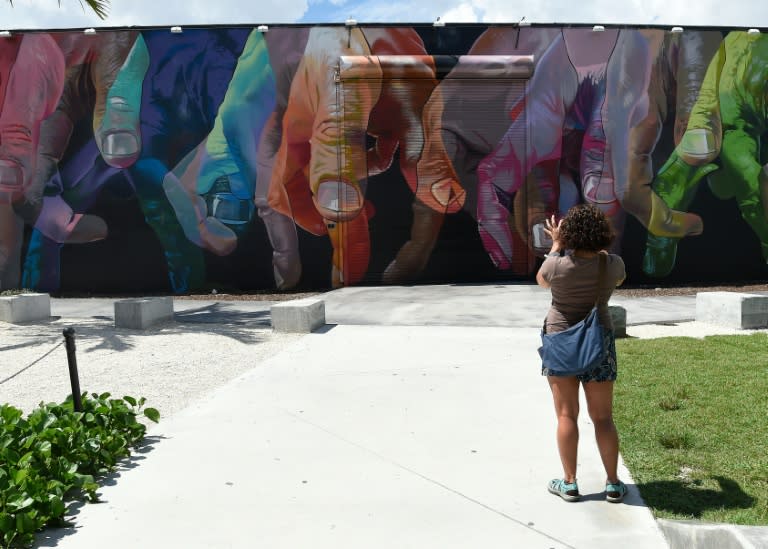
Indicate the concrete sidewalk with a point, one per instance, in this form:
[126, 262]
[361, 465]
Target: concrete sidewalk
[416, 418]
[509, 305]
[367, 437]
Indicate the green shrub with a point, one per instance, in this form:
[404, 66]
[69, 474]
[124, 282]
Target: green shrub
[54, 454]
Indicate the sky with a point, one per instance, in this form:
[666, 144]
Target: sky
[52, 14]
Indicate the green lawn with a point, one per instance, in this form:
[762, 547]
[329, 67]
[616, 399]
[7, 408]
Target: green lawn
[692, 415]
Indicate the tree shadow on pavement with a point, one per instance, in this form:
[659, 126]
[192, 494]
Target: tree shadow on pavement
[217, 318]
[99, 333]
[223, 314]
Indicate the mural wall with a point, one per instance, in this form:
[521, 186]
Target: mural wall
[318, 156]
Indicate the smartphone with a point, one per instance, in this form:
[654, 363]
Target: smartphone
[540, 238]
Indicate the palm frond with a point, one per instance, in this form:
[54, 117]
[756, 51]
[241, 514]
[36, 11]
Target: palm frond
[99, 7]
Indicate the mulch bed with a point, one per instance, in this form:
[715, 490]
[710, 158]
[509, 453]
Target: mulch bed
[625, 291]
[644, 291]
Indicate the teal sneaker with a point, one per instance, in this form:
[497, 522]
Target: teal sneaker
[614, 493]
[569, 491]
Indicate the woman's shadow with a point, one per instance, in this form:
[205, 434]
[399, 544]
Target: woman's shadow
[684, 498]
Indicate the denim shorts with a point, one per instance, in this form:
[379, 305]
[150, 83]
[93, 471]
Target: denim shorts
[606, 371]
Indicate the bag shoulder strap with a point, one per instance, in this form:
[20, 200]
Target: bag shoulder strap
[602, 259]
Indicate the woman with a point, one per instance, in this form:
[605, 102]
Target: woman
[585, 233]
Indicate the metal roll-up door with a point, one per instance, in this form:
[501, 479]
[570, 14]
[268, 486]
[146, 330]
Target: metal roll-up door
[426, 120]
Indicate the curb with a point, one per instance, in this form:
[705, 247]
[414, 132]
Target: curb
[685, 534]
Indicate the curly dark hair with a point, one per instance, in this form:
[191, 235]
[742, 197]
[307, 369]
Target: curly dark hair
[585, 227]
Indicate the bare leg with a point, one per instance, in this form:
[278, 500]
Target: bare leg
[600, 404]
[565, 391]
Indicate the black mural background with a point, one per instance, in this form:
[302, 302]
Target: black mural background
[132, 258]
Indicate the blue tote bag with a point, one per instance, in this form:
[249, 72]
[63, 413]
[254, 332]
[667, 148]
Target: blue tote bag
[581, 347]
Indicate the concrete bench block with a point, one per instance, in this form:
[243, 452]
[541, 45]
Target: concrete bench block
[619, 319]
[140, 314]
[732, 309]
[299, 315]
[25, 308]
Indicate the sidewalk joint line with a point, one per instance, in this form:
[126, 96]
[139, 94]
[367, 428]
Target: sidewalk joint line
[428, 479]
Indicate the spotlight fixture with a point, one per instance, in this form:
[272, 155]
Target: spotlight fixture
[5, 34]
[176, 30]
[438, 23]
[350, 22]
[598, 28]
[262, 28]
[90, 31]
[753, 31]
[677, 30]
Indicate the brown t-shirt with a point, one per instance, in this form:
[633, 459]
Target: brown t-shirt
[574, 288]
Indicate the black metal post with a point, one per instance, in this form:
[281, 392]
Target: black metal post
[74, 379]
